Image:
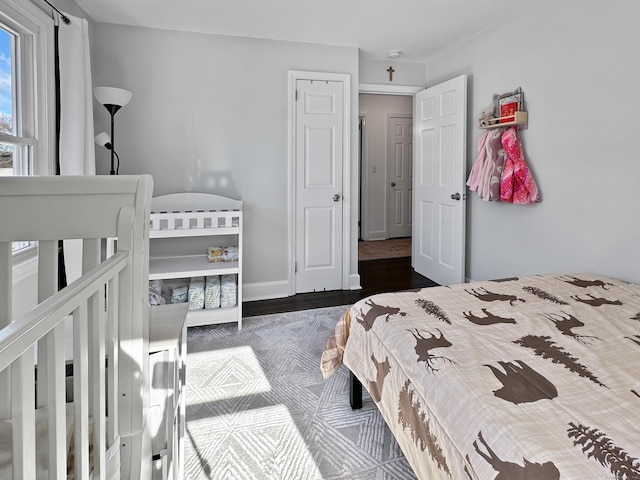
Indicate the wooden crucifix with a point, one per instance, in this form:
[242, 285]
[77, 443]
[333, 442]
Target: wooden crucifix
[390, 70]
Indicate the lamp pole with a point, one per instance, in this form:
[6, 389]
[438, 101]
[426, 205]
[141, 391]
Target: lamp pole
[112, 109]
[112, 99]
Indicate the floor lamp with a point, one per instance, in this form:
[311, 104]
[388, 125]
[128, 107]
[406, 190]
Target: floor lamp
[113, 100]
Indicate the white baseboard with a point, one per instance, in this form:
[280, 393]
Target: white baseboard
[374, 236]
[269, 290]
[354, 282]
[264, 291]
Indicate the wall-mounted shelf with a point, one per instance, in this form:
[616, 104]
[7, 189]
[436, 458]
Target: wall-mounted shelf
[519, 118]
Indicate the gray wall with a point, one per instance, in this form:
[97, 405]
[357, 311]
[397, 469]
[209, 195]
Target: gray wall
[577, 63]
[196, 95]
[209, 114]
[70, 7]
[66, 6]
[405, 73]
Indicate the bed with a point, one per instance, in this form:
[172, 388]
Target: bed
[535, 377]
[97, 429]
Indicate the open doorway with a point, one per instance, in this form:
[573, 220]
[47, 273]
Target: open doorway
[386, 144]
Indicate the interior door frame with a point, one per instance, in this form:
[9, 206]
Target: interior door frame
[345, 79]
[377, 89]
[363, 183]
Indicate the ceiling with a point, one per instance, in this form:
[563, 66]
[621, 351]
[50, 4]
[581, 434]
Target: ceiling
[418, 28]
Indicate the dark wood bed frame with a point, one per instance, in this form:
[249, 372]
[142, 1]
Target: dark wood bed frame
[355, 392]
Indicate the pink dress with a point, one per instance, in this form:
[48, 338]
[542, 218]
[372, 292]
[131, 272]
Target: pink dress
[517, 185]
[484, 177]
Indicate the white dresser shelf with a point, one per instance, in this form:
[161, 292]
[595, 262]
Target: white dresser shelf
[188, 266]
[167, 404]
[183, 216]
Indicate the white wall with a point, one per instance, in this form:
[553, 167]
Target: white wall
[209, 114]
[374, 172]
[577, 63]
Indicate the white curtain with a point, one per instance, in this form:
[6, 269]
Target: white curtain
[77, 150]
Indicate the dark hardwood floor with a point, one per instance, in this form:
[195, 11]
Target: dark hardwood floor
[376, 276]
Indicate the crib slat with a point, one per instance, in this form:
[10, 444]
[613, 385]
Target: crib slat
[23, 416]
[114, 351]
[51, 369]
[6, 283]
[55, 371]
[51, 375]
[91, 257]
[47, 286]
[80, 392]
[6, 288]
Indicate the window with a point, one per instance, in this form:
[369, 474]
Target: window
[26, 92]
[6, 101]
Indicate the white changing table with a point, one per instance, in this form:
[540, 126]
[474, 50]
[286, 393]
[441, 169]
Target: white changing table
[182, 226]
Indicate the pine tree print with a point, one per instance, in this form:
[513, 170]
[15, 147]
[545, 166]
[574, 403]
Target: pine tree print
[410, 415]
[433, 309]
[544, 347]
[598, 446]
[544, 295]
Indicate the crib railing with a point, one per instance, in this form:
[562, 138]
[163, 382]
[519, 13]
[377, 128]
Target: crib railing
[94, 346]
[107, 307]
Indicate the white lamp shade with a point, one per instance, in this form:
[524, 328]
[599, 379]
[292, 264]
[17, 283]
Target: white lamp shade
[102, 139]
[112, 96]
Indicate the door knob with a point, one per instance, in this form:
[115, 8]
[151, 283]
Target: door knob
[455, 196]
[336, 197]
[393, 184]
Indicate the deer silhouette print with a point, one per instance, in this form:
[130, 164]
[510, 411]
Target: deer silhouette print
[522, 384]
[488, 296]
[595, 301]
[513, 471]
[635, 340]
[488, 319]
[565, 322]
[376, 311]
[578, 282]
[375, 386]
[424, 345]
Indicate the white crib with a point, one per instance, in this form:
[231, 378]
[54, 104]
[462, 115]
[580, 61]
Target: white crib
[102, 433]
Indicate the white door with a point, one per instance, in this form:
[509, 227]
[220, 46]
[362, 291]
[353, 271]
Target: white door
[318, 157]
[440, 117]
[399, 173]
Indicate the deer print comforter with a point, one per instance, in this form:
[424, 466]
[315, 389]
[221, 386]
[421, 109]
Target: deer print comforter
[529, 378]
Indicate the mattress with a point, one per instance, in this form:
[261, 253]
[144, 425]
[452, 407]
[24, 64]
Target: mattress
[531, 377]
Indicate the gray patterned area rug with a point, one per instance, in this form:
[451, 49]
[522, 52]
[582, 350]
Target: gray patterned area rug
[258, 408]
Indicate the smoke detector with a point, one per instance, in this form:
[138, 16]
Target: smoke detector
[394, 54]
